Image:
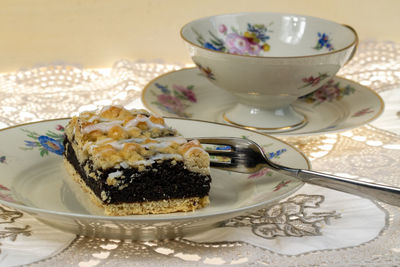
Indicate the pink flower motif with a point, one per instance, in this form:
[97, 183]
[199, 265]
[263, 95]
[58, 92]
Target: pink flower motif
[60, 128]
[2, 187]
[312, 81]
[332, 93]
[6, 197]
[222, 28]
[237, 44]
[189, 94]
[327, 92]
[362, 112]
[320, 94]
[260, 173]
[171, 102]
[281, 184]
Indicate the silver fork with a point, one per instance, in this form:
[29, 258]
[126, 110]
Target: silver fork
[245, 156]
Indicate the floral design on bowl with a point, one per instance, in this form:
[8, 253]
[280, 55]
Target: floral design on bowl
[328, 92]
[261, 58]
[252, 42]
[314, 81]
[324, 41]
[177, 100]
[50, 142]
[206, 71]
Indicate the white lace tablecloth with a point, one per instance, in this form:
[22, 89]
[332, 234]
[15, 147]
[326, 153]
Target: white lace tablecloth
[314, 227]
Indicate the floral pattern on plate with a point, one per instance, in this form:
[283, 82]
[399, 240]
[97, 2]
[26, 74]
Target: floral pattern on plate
[6, 194]
[271, 155]
[282, 184]
[252, 42]
[324, 41]
[175, 100]
[50, 142]
[330, 91]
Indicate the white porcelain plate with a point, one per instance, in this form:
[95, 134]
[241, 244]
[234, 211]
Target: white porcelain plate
[337, 105]
[33, 179]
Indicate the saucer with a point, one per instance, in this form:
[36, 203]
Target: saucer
[339, 104]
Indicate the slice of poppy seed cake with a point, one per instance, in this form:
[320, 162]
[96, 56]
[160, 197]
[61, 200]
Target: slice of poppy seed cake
[131, 162]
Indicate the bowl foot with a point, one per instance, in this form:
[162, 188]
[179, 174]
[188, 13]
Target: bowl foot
[267, 120]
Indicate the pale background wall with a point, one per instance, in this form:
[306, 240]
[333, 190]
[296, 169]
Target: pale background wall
[96, 33]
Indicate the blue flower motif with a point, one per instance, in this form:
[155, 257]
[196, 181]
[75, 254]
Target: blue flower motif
[164, 89]
[210, 46]
[223, 148]
[51, 145]
[259, 30]
[276, 154]
[323, 41]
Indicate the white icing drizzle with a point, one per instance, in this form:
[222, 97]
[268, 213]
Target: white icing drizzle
[159, 142]
[155, 145]
[117, 145]
[134, 122]
[90, 145]
[104, 127]
[101, 119]
[132, 140]
[176, 139]
[166, 156]
[115, 174]
[154, 158]
[124, 165]
[93, 118]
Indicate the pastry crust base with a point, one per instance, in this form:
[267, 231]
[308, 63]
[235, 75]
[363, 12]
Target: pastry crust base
[137, 208]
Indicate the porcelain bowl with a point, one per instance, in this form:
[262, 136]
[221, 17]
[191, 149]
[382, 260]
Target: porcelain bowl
[268, 60]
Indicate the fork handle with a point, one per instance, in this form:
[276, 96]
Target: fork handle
[384, 193]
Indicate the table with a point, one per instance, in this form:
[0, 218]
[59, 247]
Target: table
[315, 226]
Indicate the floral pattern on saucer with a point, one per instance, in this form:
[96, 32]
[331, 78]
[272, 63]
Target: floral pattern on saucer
[252, 42]
[362, 112]
[335, 105]
[175, 100]
[330, 91]
[50, 142]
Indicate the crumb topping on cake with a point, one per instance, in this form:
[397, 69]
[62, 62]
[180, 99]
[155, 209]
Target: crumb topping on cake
[121, 138]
